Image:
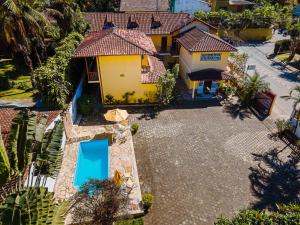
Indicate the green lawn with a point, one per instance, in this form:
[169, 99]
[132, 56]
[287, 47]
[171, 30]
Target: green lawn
[137, 221]
[19, 78]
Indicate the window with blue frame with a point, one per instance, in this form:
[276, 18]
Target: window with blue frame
[210, 57]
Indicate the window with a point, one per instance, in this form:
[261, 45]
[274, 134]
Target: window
[210, 57]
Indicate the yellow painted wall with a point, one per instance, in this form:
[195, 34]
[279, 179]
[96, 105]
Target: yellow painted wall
[256, 34]
[121, 74]
[190, 62]
[156, 39]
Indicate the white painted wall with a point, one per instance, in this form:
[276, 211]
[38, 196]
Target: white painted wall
[191, 6]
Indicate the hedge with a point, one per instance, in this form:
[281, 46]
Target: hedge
[51, 79]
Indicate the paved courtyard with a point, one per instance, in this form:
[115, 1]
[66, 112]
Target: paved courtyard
[202, 161]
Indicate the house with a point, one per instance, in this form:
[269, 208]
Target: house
[126, 66]
[190, 6]
[203, 61]
[126, 53]
[162, 27]
[231, 5]
[144, 5]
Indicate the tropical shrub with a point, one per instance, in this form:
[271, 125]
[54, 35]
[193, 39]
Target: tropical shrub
[259, 17]
[166, 86]
[51, 79]
[282, 125]
[282, 46]
[147, 201]
[137, 221]
[286, 214]
[86, 104]
[24, 134]
[49, 157]
[249, 87]
[134, 128]
[32, 206]
[100, 202]
[4, 162]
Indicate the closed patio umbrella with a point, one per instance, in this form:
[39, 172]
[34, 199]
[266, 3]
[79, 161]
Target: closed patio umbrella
[118, 179]
[116, 115]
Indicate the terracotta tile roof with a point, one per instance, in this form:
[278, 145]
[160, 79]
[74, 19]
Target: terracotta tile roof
[169, 22]
[199, 41]
[144, 5]
[157, 68]
[114, 41]
[8, 114]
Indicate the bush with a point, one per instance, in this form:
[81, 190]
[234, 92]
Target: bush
[282, 125]
[4, 83]
[86, 104]
[286, 214]
[51, 80]
[147, 201]
[282, 46]
[134, 128]
[137, 221]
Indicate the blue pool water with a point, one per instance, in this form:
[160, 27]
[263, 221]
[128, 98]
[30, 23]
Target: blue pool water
[92, 161]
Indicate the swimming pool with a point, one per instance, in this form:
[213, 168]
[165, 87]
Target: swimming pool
[92, 161]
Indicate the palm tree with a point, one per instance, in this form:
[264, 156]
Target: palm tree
[294, 95]
[295, 39]
[22, 29]
[250, 86]
[32, 206]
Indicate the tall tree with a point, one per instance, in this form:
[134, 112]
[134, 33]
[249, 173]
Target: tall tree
[99, 202]
[295, 39]
[99, 5]
[22, 30]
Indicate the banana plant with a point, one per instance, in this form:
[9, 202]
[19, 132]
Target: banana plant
[49, 158]
[33, 206]
[24, 137]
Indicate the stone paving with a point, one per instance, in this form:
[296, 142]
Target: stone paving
[121, 158]
[198, 160]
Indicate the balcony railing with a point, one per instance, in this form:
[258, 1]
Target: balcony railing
[92, 77]
[145, 69]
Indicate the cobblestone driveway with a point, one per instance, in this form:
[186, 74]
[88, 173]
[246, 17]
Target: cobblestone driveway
[196, 162]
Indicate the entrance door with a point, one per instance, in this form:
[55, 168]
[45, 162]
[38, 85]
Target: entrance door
[207, 86]
[164, 44]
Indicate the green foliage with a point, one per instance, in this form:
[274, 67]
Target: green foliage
[127, 95]
[49, 159]
[147, 201]
[99, 202]
[238, 63]
[286, 214]
[21, 137]
[32, 206]
[249, 86]
[282, 46]
[86, 104]
[175, 70]
[134, 128]
[282, 125]
[259, 17]
[99, 5]
[137, 221]
[4, 162]
[166, 86]
[51, 79]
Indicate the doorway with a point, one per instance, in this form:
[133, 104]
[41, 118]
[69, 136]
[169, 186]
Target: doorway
[207, 86]
[164, 44]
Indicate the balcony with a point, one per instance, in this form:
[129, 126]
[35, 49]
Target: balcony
[92, 77]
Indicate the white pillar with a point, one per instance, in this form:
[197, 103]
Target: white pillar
[193, 93]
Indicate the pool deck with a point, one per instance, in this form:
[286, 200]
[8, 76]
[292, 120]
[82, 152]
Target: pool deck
[121, 157]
